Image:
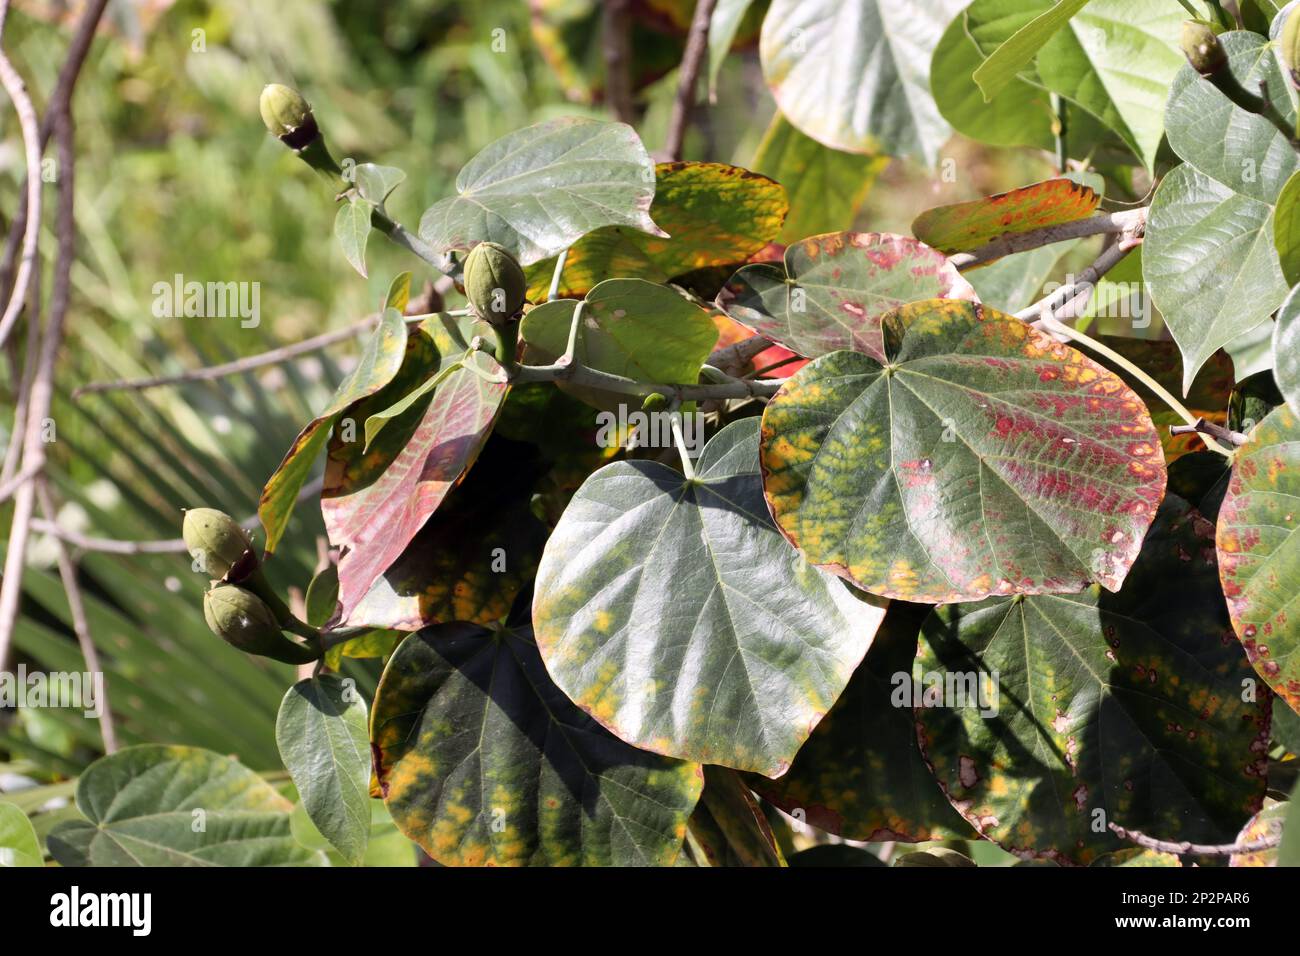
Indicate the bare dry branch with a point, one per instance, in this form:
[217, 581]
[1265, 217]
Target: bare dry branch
[32, 148]
[80, 626]
[1128, 222]
[1186, 848]
[697, 45]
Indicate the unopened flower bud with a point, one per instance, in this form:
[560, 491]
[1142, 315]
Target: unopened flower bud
[1202, 48]
[242, 620]
[654, 402]
[287, 116]
[494, 283]
[217, 543]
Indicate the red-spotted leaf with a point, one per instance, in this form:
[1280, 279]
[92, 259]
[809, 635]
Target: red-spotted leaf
[964, 226]
[673, 612]
[1259, 551]
[483, 761]
[1106, 708]
[833, 290]
[716, 216]
[860, 775]
[1207, 398]
[981, 458]
[378, 364]
[376, 500]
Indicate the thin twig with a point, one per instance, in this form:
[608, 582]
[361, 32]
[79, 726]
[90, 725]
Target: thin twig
[80, 627]
[32, 147]
[59, 101]
[57, 121]
[1225, 435]
[17, 481]
[1187, 848]
[42, 391]
[1083, 283]
[697, 44]
[731, 358]
[616, 45]
[594, 378]
[1128, 221]
[246, 364]
[156, 546]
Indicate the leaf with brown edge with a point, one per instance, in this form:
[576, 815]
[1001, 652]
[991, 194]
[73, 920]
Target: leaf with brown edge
[860, 775]
[1259, 551]
[671, 610]
[982, 458]
[964, 226]
[833, 289]
[475, 554]
[716, 216]
[379, 363]
[482, 760]
[375, 501]
[1108, 708]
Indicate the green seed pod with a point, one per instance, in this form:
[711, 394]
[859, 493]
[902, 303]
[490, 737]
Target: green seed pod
[655, 402]
[217, 543]
[1289, 46]
[287, 116]
[494, 283]
[242, 620]
[1202, 48]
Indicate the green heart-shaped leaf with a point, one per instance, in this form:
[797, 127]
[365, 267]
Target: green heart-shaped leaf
[1116, 59]
[538, 190]
[1020, 49]
[672, 611]
[482, 760]
[861, 775]
[1109, 708]
[1259, 551]
[981, 458]
[833, 290]
[324, 741]
[18, 843]
[854, 74]
[1239, 149]
[629, 327]
[1020, 115]
[154, 805]
[1210, 264]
